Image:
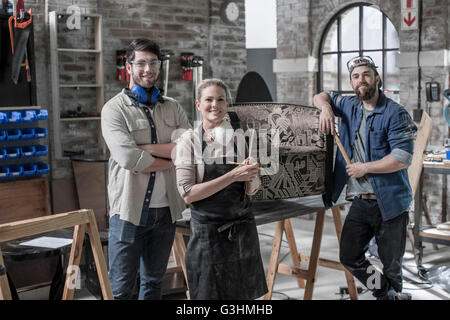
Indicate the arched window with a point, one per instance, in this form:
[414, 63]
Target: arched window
[361, 29]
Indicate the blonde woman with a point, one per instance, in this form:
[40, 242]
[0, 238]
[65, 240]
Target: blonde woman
[223, 259]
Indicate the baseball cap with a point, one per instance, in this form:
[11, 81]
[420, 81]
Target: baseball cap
[361, 61]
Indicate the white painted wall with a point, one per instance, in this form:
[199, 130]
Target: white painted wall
[260, 24]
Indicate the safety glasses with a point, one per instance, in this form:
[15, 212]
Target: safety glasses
[360, 61]
[153, 64]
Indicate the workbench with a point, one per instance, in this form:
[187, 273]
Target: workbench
[431, 234]
[280, 211]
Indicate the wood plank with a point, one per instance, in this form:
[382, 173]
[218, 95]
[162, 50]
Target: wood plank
[78, 50]
[20, 229]
[174, 270]
[74, 262]
[444, 166]
[314, 258]
[54, 71]
[5, 290]
[79, 85]
[324, 262]
[30, 227]
[24, 199]
[273, 263]
[99, 258]
[294, 271]
[80, 119]
[179, 252]
[12, 108]
[436, 234]
[420, 145]
[100, 92]
[293, 248]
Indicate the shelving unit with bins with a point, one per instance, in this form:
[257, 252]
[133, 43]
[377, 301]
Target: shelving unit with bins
[59, 120]
[23, 145]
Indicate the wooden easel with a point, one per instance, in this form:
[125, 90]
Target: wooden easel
[313, 260]
[80, 220]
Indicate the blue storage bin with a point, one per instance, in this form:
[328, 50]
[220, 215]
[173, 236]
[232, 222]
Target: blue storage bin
[28, 115]
[3, 117]
[15, 170]
[2, 135]
[12, 152]
[4, 172]
[42, 114]
[14, 116]
[42, 168]
[13, 134]
[40, 133]
[40, 150]
[28, 133]
[29, 169]
[28, 151]
[2, 154]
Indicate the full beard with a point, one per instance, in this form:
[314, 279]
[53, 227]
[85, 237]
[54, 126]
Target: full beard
[368, 94]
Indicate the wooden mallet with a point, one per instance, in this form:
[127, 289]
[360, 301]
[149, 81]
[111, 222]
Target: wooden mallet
[341, 147]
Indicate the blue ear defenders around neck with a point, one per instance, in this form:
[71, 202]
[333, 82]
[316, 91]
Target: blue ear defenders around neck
[150, 97]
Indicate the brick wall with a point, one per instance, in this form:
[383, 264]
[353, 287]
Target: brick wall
[178, 25]
[302, 23]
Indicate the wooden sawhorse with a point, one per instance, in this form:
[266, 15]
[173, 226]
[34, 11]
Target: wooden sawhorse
[267, 211]
[80, 220]
[313, 260]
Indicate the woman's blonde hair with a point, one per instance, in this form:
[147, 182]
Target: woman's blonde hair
[213, 82]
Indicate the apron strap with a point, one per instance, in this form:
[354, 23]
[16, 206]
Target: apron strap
[231, 226]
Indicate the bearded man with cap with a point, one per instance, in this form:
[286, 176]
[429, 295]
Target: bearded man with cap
[378, 136]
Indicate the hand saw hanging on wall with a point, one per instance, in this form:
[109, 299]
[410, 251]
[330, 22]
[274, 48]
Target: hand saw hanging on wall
[19, 33]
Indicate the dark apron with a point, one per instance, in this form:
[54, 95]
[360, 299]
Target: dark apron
[223, 258]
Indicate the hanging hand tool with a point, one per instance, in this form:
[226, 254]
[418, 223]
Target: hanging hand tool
[186, 65]
[19, 35]
[120, 65]
[165, 57]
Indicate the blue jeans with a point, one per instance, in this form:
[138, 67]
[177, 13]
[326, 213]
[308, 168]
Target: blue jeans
[132, 248]
[364, 221]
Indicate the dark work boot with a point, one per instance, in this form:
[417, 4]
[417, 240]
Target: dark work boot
[402, 296]
[393, 295]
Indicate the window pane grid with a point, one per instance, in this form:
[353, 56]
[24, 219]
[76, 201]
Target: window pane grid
[384, 48]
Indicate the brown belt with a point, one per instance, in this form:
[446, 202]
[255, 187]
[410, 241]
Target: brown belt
[369, 196]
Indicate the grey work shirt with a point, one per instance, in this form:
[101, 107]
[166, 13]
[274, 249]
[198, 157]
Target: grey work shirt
[124, 127]
[190, 165]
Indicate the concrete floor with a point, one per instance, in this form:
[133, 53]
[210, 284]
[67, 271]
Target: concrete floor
[328, 280]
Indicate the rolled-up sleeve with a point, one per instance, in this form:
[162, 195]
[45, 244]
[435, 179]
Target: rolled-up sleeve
[184, 164]
[121, 143]
[401, 136]
[402, 156]
[182, 123]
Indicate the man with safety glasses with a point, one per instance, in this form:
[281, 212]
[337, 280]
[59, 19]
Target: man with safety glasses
[140, 127]
[378, 137]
